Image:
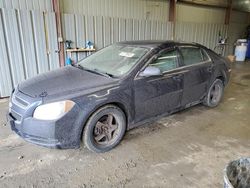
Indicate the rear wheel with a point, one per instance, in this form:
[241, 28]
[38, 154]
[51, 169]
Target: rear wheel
[104, 129]
[214, 94]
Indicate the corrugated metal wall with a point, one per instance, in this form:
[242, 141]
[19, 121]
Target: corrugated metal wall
[235, 31]
[106, 30]
[203, 33]
[28, 44]
[199, 14]
[135, 9]
[237, 28]
[143, 9]
[43, 5]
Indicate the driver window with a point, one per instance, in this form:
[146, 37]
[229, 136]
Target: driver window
[166, 61]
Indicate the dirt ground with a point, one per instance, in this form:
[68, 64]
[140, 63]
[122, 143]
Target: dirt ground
[188, 149]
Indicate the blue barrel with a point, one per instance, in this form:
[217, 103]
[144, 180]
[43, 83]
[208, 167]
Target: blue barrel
[248, 49]
[68, 61]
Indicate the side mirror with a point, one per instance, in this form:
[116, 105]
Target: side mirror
[150, 71]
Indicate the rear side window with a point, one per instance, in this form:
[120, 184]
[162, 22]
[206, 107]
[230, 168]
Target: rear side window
[166, 61]
[191, 55]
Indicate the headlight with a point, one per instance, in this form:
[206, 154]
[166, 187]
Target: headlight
[53, 111]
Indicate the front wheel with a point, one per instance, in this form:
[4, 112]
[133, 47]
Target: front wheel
[214, 94]
[104, 129]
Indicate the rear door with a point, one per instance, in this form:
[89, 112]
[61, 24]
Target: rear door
[198, 70]
[155, 95]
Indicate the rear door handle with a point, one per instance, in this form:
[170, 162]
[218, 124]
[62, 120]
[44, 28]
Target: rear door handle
[210, 68]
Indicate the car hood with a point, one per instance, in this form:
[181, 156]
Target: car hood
[64, 82]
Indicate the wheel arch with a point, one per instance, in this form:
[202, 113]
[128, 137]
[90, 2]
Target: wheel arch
[117, 104]
[222, 76]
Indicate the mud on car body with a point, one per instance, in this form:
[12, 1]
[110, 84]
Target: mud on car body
[114, 90]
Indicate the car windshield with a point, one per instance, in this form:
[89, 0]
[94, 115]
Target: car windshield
[115, 60]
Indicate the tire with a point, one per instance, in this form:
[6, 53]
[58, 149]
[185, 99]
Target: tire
[214, 94]
[105, 129]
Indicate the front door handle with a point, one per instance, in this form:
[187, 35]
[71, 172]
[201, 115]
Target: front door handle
[177, 77]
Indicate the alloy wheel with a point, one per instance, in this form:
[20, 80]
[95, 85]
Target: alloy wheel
[105, 130]
[215, 93]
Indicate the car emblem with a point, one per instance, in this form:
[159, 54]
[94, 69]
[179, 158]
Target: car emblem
[43, 94]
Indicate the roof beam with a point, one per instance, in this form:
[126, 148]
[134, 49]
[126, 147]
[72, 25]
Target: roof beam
[56, 9]
[228, 12]
[201, 4]
[172, 10]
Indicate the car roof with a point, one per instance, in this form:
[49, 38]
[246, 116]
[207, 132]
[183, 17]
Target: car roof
[157, 43]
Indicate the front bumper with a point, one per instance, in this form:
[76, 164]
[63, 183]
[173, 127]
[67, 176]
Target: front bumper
[36, 132]
[62, 133]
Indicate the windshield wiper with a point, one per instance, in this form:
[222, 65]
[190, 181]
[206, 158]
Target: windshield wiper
[96, 71]
[103, 73]
[77, 66]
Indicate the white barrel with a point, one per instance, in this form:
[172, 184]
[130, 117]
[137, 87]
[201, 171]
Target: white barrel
[240, 52]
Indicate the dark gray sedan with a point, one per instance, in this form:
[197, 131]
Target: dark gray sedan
[115, 89]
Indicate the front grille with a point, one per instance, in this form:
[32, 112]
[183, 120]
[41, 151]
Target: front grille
[21, 101]
[15, 115]
[18, 106]
[22, 106]
[18, 101]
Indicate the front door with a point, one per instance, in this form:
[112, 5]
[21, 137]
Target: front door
[155, 95]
